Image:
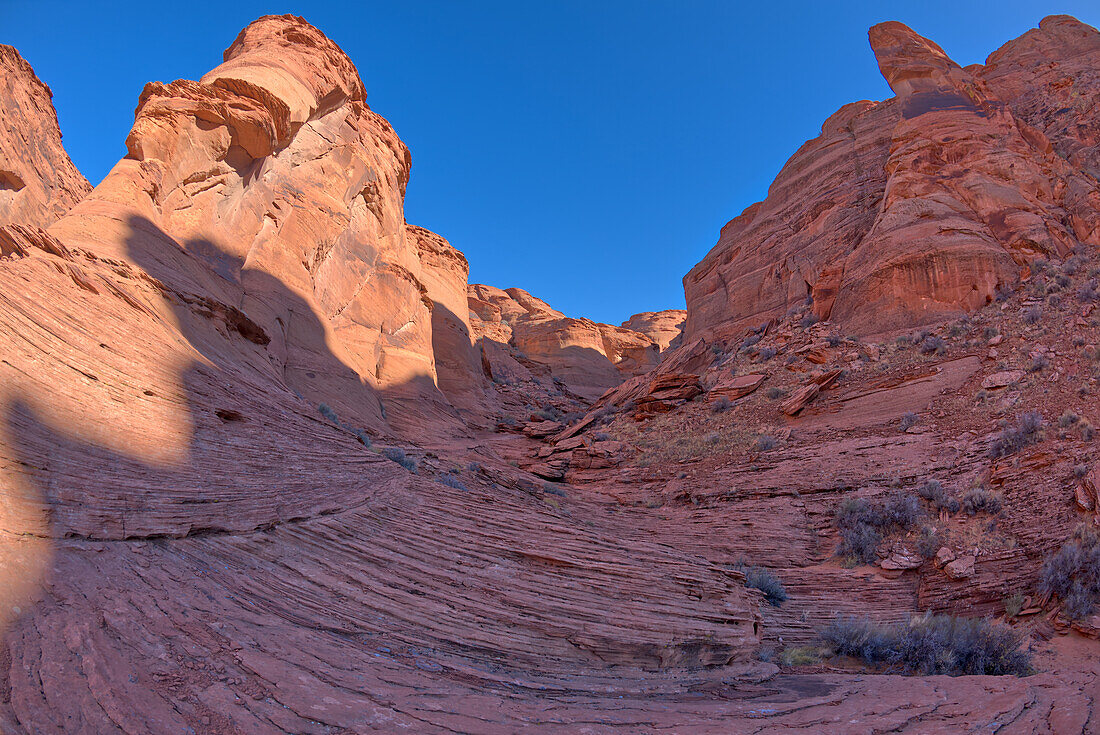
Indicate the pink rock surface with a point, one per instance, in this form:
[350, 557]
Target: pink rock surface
[38, 182]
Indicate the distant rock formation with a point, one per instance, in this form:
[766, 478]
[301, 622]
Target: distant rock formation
[38, 182]
[919, 207]
[588, 357]
[666, 328]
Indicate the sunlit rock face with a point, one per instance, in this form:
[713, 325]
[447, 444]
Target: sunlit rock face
[272, 184]
[38, 182]
[663, 327]
[588, 357]
[916, 208]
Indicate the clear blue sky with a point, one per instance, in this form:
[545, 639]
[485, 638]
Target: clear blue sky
[588, 152]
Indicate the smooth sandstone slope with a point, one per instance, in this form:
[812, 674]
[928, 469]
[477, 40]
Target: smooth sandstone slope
[38, 182]
[920, 207]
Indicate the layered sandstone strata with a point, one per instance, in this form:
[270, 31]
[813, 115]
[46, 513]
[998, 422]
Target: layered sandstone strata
[921, 206]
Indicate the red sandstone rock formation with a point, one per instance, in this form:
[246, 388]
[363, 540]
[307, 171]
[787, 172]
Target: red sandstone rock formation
[188, 544]
[586, 356]
[916, 208]
[38, 182]
[663, 327]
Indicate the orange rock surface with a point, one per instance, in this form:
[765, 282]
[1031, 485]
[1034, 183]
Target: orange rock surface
[38, 182]
[920, 207]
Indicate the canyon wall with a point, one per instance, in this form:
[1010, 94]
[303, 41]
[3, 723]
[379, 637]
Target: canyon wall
[38, 182]
[919, 207]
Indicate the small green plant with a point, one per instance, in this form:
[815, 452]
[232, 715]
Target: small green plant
[451, 480]
[862, 524]
[800, 656]
[978, 499]
[1026, 432]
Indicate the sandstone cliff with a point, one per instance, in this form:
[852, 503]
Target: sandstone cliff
[920, 207]
[38, 182]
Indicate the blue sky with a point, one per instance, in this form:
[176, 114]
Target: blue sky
[588, 152]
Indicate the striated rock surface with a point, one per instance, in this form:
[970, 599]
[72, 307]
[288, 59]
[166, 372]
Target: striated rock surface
[920, 207]
[38, 182]
[210, 363]
[586, 356]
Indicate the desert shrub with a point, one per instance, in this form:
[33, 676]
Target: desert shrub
[1014, 438]
[552, 489]
[721, 405]
[1038, 363]
[931, 345]
[908, 420]
[475, 467]
[834, 340]
[601, 436]
[766, 353]
[808, 321]
[1089, 291]
[1086, 431]
[763, 580]
[938, 644]
[1073, 573]
[362, 437]
[326, 411]
[453, 481]
[775, 393]
[929, 542]
[397, 454]
[933, 491]
[862, 523]
[1002, 293]
[978, 499]
[548, 414]
[1014, 603]
[1068, 419]
[1073, 265]
[902, 341]
[990, 332]
[765, 443]
[751, 340]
